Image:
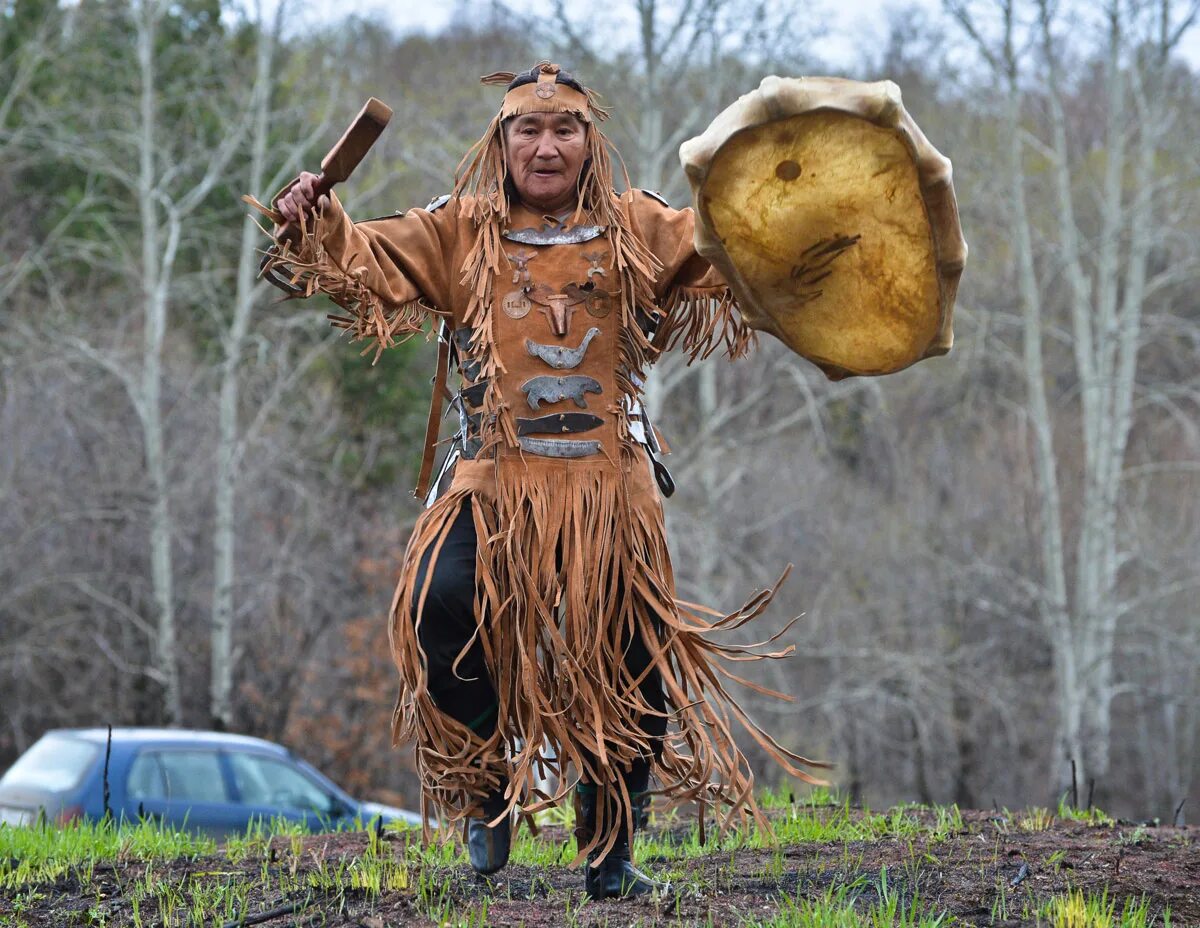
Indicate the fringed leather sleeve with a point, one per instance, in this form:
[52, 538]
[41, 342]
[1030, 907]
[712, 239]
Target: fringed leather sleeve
[388, 274]
[700, 314]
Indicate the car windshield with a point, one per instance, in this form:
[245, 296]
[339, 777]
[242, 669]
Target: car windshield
[54, 763]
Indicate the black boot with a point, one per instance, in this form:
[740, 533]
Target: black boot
[488, 847]
[614, 876]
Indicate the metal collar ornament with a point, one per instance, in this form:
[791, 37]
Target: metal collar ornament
[554, 235]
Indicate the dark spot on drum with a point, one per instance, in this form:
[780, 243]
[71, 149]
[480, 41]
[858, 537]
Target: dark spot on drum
[787, 170]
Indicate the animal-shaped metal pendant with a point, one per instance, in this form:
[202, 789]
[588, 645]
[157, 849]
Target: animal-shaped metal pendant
[520, 262]
[557, 307]
[559, 357]
[546, 389]
[594, 258]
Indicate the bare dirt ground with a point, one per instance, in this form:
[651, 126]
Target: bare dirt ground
[991, 871]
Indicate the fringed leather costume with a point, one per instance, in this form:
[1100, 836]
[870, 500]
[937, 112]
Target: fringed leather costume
[553, 323]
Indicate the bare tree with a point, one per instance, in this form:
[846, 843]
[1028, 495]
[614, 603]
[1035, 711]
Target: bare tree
[231, 443]
[168, 171]
[1109, 283]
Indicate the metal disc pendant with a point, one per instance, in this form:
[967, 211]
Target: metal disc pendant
[599, 303]
[517, 305]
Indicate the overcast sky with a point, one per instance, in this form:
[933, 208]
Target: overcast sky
[855, 22]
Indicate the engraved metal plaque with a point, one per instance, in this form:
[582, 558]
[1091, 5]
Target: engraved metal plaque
[559, 422]
[560, 447]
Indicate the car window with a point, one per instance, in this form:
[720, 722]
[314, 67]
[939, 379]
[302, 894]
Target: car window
[54, 763]
[266, 781]
[193, 775]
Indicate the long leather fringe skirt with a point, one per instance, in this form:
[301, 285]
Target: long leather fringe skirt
[571, 567]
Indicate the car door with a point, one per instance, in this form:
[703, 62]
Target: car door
[183, 787]
[271, 786]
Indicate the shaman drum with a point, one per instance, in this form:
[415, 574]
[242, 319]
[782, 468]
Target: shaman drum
[833, 220]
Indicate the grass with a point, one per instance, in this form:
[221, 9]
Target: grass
[1077, 910]
[146, 874]
[1037, 819]
[44, 854]
[843, 908]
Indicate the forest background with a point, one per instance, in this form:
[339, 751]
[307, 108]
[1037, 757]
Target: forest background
[204, 493]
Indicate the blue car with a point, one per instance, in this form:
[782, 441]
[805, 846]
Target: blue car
[209, 782]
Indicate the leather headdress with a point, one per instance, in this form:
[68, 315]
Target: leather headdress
[546, 94]
[483, 170]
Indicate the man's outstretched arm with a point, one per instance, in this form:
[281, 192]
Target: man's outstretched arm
[388, 273]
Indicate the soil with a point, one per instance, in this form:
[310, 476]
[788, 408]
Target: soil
[988, 873]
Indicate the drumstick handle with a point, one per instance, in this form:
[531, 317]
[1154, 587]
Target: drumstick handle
[347, 152]
[289, 230]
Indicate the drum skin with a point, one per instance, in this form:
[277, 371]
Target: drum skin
[834, 221]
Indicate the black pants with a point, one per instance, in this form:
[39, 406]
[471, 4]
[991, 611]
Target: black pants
[466, 693]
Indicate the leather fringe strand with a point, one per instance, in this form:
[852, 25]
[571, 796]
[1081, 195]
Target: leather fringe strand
[309, 270]
[703, 320]
[567, 568]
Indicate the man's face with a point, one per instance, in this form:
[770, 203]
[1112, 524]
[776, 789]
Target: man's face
[545, 154]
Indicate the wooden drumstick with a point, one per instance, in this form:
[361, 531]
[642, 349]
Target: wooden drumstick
[347, 152]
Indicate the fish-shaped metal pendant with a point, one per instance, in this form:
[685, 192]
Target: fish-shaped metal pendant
[560, 447]
[548, 389]
[560, 422]
[559, 357]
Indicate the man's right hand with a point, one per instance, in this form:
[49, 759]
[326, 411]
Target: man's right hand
[300, 199]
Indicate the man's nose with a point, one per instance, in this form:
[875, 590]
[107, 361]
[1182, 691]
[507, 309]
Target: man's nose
[546, 148]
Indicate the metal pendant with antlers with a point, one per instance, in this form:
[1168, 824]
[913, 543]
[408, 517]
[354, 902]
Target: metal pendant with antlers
[558, 308]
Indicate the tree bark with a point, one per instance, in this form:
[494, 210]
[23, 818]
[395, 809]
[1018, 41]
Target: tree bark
[229, 448]
[158, 254]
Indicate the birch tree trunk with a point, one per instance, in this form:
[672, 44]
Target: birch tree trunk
[1106, 283]
[160, 240]
[229, 447]
[174, 176]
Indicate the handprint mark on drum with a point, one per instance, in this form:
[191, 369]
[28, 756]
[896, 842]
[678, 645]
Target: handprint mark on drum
[815, 261]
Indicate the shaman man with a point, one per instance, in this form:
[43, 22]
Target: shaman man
[535, 626]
